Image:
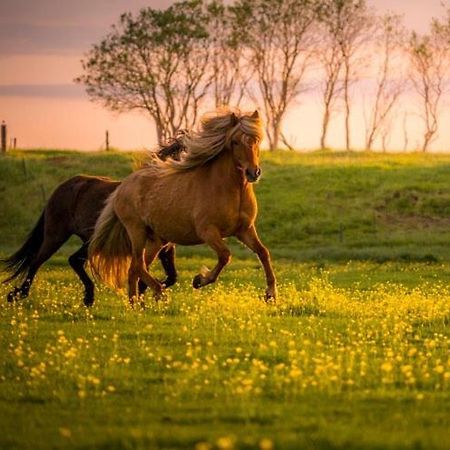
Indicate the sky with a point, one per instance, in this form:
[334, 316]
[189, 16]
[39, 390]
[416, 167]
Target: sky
[43, 41]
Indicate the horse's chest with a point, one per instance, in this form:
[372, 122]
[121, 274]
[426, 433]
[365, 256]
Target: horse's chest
[236, 213]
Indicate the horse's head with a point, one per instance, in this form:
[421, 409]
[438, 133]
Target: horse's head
[244, 144]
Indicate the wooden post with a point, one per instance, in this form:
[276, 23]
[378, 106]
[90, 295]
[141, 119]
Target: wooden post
[107, 140]
[14, 143]
[3, 139]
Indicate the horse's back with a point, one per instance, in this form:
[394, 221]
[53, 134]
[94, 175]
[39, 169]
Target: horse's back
[77, 202]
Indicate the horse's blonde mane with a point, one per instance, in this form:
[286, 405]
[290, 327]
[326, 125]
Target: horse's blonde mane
[209, 140]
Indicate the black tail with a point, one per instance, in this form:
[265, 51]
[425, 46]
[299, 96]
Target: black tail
[19, 263]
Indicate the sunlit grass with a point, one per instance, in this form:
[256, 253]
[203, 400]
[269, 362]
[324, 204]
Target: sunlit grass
[354, 354]
[223, 353]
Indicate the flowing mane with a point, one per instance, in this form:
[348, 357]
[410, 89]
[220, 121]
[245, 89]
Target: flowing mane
[211, 138]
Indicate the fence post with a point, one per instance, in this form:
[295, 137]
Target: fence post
[3, 138]
[107, 140]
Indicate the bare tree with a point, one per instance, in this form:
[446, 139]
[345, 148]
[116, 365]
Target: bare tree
[347, 26]
[278, 39]
[389, 80]
[405, 131]
[429, 58]
[156, 62]
[331, 61]
[231, 72]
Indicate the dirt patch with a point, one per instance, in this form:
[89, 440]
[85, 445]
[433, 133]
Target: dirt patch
[59, 160]
[412, 221]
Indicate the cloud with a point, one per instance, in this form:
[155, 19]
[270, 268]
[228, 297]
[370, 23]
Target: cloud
[30, 39]
[60, 26]
[66, 91]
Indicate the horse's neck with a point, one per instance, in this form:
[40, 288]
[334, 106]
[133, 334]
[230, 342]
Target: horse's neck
[225, 170]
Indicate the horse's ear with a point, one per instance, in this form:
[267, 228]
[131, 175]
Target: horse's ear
[255, 115]
[234, 119]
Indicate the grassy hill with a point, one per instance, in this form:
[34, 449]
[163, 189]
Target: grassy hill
[319, 206]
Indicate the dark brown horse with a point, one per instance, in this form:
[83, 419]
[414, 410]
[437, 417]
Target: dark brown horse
[73, 209]
[214, 180]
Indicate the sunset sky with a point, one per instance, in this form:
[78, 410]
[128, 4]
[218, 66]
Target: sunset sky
[42, 42]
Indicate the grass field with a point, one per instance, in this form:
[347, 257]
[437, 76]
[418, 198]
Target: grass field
[354, 354]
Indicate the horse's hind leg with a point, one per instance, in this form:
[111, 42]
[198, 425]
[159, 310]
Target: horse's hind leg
[211, 236]
[49, 246]
[78, 262]
[138, 237]
[167, 258]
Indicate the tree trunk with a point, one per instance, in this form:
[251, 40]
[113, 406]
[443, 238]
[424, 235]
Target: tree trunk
[370, 139]
[325, 123]
[276, 133]
[347, 107]
[426, 141]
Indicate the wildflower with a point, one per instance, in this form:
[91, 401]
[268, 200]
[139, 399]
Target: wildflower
[203, 446]
[225, 443]
[265, 444]
[65, 432]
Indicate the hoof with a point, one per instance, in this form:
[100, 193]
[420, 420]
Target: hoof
[168, 282]
[15, 294]
[271, 295]
[88, 301]
[142, 287]
[160, 296]
[197, 282]
[202, 279]
[158, 293]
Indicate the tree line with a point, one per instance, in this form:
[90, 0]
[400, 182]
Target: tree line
[170, 63]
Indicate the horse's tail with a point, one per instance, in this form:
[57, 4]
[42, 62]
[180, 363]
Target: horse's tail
[110, 247]
[19, 263]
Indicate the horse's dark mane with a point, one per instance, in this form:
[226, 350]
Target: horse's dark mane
[174, 147]
[172, 151]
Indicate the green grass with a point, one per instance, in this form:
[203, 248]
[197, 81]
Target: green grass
[320, 206]
[354, 354]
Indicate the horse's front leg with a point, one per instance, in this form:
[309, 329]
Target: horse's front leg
[212, 237]
[250, 238]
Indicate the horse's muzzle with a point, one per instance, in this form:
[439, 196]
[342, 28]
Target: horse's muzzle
[252, 175]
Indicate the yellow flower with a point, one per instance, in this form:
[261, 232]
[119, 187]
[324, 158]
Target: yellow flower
[225, 443]
[65, 432]
[202, 446]
[266, 444]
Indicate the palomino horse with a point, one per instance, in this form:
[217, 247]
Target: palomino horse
[204, 197]
[73, 209]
